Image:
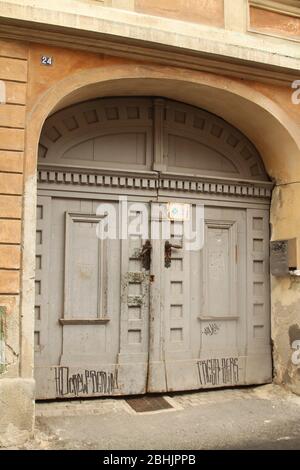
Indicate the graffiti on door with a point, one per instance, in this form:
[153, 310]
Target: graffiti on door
[211, 329]
[224, 371]
[84, 383]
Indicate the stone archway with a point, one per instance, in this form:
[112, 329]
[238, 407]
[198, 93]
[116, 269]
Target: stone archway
[262, 120]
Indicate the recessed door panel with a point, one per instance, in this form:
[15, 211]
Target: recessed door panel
[217, 270]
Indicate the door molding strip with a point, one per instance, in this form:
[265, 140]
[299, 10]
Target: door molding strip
[143, 181]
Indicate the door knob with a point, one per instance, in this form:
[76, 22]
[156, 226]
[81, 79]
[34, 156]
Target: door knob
[168, 252]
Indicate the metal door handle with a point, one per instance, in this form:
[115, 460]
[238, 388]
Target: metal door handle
[168, 252]
[145, 255]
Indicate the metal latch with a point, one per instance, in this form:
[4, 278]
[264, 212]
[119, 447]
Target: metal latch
[145, 255]
[168, 252]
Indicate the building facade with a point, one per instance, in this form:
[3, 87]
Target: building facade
[137, 105]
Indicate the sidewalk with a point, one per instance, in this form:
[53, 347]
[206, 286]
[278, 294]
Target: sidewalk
[264, 417]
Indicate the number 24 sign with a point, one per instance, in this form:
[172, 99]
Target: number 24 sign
[46, 60]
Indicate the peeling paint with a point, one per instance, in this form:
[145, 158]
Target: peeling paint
[294, 333]
[284, 331]
[2, 340]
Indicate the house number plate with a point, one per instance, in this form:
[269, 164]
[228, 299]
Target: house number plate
[46, 60]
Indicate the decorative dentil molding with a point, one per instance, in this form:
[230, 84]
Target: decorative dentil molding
[70, 178]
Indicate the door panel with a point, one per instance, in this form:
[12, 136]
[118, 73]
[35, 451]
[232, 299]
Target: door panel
[203, 314]
[220, 269]
[257, 341]
[85, 268]
[222, 319]
[133, 356]
[89, 342]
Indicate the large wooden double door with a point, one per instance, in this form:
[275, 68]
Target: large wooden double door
[135, 314]
[127, 315]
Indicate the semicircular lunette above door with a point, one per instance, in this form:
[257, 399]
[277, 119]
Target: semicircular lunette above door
[146, 134]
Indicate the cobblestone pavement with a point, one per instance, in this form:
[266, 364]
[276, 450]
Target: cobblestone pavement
[264, 417]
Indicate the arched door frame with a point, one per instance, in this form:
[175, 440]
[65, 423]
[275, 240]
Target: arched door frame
[187, 86]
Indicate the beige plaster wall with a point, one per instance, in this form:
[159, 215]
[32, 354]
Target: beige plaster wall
[263, 112]
[17, 394]
[274, 23]
[90, 18]
[197, 11]
[13, 72]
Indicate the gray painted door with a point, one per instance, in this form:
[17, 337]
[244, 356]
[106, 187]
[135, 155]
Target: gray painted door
[209, 309]
[92, 304]
[107, 324]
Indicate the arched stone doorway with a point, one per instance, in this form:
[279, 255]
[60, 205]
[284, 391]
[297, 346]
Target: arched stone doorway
[105, 322]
